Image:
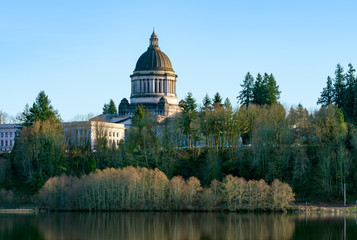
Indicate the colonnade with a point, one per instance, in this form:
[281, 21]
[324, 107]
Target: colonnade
[153, 86]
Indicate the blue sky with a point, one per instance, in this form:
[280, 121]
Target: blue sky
[81, 53]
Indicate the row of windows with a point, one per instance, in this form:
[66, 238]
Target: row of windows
[113, 133]
[6, 143]
[4, 149]
[7, 134]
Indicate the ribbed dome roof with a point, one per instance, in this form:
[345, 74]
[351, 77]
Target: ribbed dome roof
[153, 58]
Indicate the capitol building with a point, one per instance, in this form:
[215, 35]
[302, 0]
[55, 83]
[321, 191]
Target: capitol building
[153, 85]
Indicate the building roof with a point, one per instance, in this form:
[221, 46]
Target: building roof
[153, 58]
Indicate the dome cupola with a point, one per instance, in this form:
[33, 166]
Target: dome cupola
[153, 58]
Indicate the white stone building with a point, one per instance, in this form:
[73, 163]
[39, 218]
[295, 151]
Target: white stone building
[8, 134]
[87, 132]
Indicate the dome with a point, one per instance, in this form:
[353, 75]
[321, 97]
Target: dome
[153, 58]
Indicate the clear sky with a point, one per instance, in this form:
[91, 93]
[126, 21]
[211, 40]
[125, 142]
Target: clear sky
[82, 52]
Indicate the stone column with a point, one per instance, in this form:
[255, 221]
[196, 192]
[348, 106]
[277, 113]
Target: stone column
[162, 86]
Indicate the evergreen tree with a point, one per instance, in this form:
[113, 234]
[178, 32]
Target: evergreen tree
[327, 94]
[207, 103]
[228, 104]
[259, 91]
[188, 116]
[217, 101]
[350, 96]
[273, 93]
[245, 96]
[41, 110]
[138, 117]
[339, 87]
[110, 108]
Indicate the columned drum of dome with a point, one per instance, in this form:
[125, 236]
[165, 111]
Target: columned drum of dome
[153, 77]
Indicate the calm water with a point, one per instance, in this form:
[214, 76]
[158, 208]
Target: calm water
[173, 226]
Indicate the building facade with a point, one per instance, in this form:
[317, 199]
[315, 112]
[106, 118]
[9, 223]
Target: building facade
[88, 132]
[8, 134]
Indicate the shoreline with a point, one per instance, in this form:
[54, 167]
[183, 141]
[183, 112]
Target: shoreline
[299, 209]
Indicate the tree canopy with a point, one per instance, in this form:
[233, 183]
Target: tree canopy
[260, 91]
[110, 108]
[41, 110]
[341, 91]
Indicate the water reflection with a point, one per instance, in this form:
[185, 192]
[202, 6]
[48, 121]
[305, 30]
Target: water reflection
[175, 226]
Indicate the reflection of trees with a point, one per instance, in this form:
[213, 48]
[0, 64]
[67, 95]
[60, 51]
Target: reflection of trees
[175, 226]
[166, 226]
[13, 227]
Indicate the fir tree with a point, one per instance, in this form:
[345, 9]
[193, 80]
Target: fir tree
[350, 96]
[110, 108]
[259, 91]
[188, 116]
[245, 96]
[327, 94]
[207, 103]
[41, 110]
[339, 87]
[138, 117]
[273, 93]
[217, 101]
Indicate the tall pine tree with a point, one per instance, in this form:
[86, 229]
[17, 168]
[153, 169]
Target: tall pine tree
[110, 108]
[350, 96]
[41, 110]
[273, 93]
[327, 93]
[339, 87]
[245, 96]
[206, 103]
[259, 91]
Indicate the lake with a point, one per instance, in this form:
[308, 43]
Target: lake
[175, 226]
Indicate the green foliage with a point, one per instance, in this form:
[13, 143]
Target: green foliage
[327, 93]
[188, 117]
[39, 154]
[41, 110]
[273, 93]
[110, 108]
[342, 92]
[339, 87]
[206, 103]
[217, 101]
[263, 90]
[245, 96]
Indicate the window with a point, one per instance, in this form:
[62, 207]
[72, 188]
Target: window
[11, 134]
[10, 142]
[5, 143]
[2, 134]
[110, 134]
[117, 134]
[6, 135]
[2, 142]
